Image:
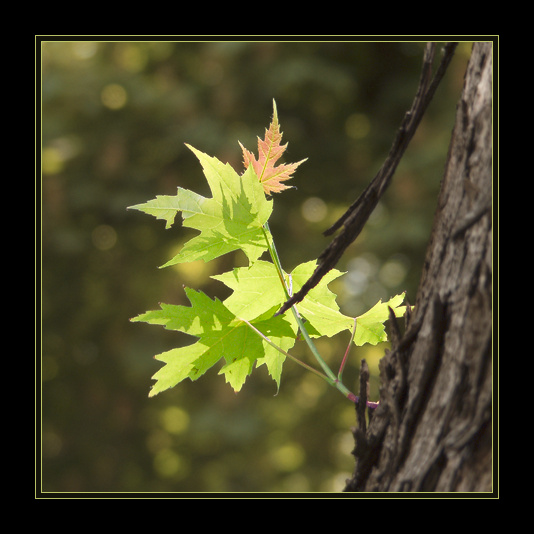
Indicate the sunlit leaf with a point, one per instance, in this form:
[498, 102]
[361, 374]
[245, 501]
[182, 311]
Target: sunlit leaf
[270, 151]
[231, 219]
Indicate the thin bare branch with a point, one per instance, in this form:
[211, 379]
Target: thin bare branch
[358, 213]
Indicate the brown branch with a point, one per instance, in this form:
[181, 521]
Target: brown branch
[361, 407]
[356, 216]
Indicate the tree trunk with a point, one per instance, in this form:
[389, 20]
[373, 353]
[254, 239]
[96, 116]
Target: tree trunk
[432, 431]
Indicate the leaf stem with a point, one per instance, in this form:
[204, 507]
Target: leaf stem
[285, 353]
[344, 361]
[331, 378]
[274, 257]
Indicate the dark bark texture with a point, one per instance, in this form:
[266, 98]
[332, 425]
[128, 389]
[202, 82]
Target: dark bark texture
[432, 431]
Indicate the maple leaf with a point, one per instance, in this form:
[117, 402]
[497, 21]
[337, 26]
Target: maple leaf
[370, 326]
[231, 219]
[244, 330]
[257, 290]
[223, 329]
[221, 335]
[269, 152]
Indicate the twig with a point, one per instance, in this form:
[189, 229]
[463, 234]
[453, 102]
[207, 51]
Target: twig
[344, 361]
[356, 216]
[285, 353]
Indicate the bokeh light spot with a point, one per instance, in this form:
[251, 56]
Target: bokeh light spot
[52, 162]
[175, 420]
[314, 209]
[357, 126]
[394, 271]
[168, 464]
[288, 457]
[114, 96]
[104, 237]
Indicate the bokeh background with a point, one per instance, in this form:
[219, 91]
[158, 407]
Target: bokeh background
[115, 117]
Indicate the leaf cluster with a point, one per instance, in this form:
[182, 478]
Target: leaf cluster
[244, 331]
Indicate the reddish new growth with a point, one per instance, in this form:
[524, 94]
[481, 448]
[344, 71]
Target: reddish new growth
[270, 151]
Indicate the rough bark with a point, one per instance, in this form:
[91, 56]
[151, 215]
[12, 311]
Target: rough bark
[433, 429]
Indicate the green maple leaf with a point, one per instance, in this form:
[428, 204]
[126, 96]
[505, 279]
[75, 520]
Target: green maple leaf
[221, 336]
[244, 331]
[370, 325]
[231, 219]
[223, 332]
[257, 289]
[319, 307]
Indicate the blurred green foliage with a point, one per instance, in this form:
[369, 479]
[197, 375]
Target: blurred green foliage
[115, 117]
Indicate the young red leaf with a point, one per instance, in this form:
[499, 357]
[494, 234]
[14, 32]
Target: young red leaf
[269, 152]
